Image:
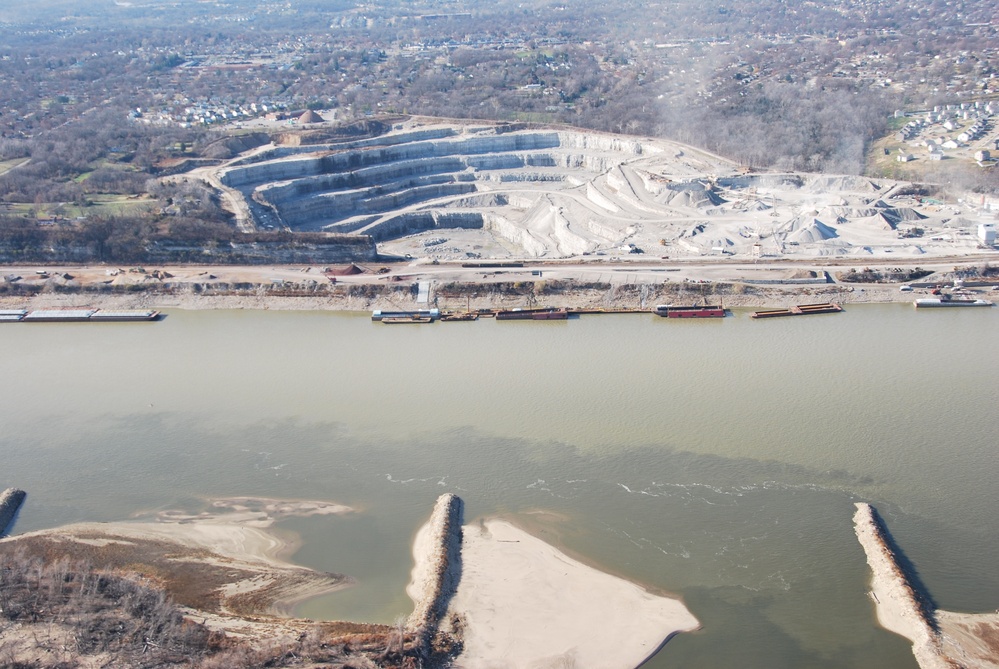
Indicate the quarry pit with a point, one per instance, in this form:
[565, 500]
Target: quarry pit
[452, 192]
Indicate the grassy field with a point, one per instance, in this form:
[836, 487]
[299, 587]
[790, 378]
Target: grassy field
[102, 205]
[8, 165]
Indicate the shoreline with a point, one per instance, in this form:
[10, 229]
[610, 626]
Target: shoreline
[568, 284]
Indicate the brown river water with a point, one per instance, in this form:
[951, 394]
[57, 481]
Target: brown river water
[717, 460]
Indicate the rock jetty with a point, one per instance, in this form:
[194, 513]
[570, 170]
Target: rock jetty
[900, 609]
[10, 501]
[436, 577]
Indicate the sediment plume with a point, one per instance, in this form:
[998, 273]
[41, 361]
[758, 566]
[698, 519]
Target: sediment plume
[436, 574]
[899, 607]
[10, 501]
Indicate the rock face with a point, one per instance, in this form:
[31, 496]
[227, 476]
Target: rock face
[421, 179]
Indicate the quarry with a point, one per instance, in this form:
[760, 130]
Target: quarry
[452, 191]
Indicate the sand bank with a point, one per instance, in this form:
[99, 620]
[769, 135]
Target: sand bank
[970, 640]
[525, 604]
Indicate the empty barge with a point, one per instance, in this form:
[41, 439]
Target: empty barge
[542, 314]
[931, 302]
[88, 315]
[705, 311]
[800, 310]
[417, 316]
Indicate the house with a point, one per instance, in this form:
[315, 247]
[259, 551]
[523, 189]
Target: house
[984, 154]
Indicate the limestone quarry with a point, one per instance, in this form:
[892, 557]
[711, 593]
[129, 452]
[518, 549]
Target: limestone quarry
[455, 192]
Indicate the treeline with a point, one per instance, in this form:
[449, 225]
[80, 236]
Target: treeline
[802, 87]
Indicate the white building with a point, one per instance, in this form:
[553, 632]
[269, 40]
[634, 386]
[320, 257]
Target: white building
[987, 233]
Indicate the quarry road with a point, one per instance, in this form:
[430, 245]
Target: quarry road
[617, 271]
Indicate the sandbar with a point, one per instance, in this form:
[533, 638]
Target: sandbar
[526, 604]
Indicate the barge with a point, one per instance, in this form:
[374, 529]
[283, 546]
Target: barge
[124, 315]
[394, 320]
[416, 316]
[449, 316]
[820, 308]
[58, 316]
[705, 311]
[539, 314]
[77, 315]
[800, 310]
[931, 302]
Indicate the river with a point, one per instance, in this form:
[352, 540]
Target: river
[717, 459]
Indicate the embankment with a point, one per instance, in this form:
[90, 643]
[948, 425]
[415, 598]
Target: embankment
[900, 609]
[436, 574]
[10, 501]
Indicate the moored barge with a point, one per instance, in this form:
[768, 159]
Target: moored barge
[124, 315]
[395, 320]
[930, 302]
[690, 311]
[80, 315]
[535, 314]
[800, 310]
[416, 316]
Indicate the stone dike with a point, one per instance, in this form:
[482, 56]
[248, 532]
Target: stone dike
[10, 501]
[900, 607]
[436, 575]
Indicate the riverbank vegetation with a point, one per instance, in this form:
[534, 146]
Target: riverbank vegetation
[58, 611]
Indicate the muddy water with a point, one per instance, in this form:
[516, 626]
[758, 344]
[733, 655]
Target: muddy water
[718, 460]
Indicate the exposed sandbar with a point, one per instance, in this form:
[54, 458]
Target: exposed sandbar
[525, 604]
